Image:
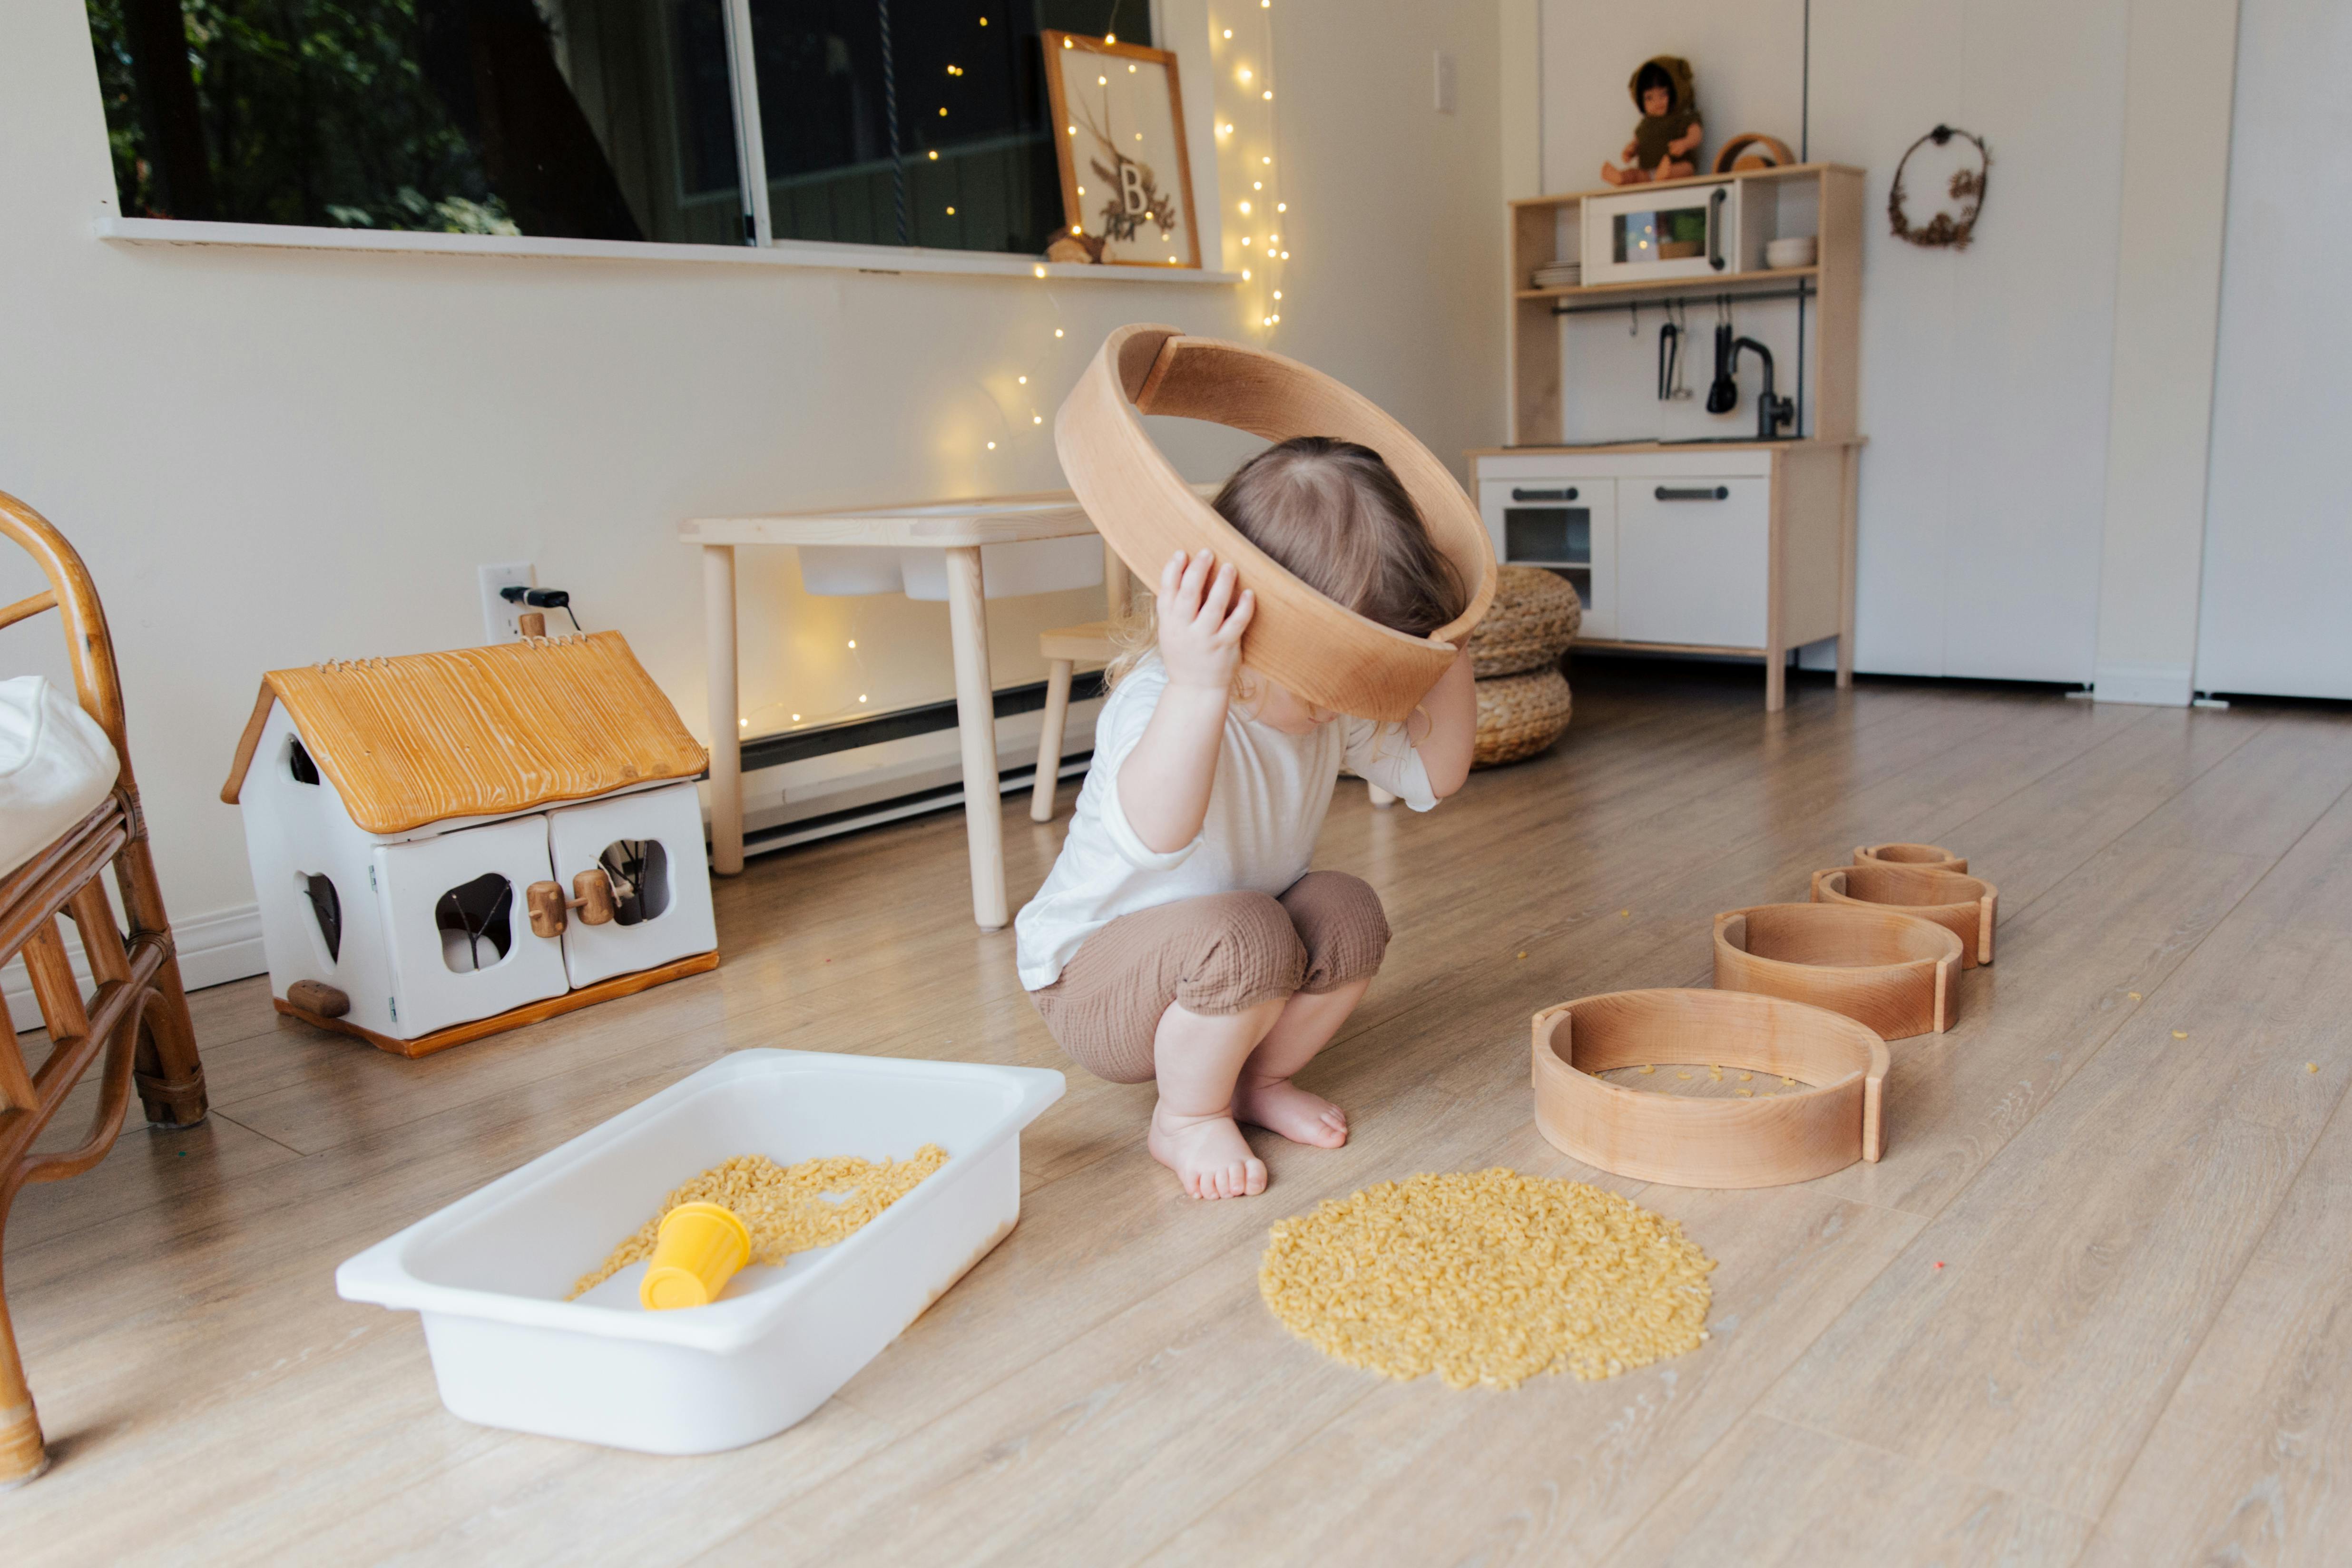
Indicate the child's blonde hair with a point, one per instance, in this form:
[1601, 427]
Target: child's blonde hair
[1334, 515]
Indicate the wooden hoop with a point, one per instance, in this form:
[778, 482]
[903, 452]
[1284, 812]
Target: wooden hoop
[1894, 973]
[1775, 153]
[1935, 856]
[1328, 655]
[1965, 906]
[1687, 1142]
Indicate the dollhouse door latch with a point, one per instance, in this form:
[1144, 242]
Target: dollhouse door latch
[593, 894]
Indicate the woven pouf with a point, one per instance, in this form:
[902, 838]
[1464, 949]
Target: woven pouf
[1532, 621]
[1519, 715]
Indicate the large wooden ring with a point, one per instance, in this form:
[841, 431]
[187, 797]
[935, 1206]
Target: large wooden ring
[1935, 856]
[1965, 906]
[1894, 973]
[1689, 1141]
[1327, 653]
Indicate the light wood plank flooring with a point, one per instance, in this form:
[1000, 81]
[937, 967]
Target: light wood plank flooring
[2090, 1307]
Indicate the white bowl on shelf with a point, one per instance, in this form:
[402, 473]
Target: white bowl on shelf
[1797, 250]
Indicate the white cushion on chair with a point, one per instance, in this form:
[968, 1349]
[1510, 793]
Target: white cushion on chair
[56, 766]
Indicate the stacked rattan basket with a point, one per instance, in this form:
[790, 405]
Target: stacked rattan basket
[1523, 698]
[1810, 994]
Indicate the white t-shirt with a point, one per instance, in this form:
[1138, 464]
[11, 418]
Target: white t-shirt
[1266, 810]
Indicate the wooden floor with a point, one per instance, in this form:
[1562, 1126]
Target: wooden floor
[2092, 1307]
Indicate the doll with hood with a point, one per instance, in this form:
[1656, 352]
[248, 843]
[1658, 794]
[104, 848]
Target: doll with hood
[1665, 143]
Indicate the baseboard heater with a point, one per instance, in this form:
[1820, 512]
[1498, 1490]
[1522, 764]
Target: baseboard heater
[848, 734]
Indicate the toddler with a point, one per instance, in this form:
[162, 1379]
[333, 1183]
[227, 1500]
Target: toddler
[1181, 936]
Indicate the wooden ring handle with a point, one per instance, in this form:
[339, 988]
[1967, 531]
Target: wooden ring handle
[1325, 653]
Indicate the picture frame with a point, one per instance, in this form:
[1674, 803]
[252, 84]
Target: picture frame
[1120, 114]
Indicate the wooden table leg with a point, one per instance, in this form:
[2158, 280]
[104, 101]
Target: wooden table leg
[1776, 589]
[1849, 483]
[1119, 596]
[1049, 739]
[726, 722]
[976, 721]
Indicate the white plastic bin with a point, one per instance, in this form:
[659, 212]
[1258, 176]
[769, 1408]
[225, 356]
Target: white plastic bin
[489, 1273]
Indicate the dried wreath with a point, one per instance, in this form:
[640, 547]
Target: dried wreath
[1968, 187]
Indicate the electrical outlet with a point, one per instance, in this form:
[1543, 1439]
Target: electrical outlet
[498, 615]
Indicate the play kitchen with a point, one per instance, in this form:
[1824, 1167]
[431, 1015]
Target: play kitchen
[1683, 447]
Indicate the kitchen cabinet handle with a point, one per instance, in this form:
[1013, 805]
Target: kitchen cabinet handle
[1695, 492]
[1714, 227]
[1568, 494]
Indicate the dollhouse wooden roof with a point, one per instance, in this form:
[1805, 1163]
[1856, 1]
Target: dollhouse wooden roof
[478, 731]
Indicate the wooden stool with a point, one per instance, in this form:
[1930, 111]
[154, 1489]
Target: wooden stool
[1065, 647]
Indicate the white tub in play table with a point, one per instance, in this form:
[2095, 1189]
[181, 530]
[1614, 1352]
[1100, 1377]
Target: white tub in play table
[488, 1274]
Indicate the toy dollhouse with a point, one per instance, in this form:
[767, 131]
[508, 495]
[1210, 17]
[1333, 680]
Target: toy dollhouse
[446, 845]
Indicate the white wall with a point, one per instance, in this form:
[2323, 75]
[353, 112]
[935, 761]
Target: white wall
[271, 458]
[2278, 537]
[2176, 176]
[1985, 372]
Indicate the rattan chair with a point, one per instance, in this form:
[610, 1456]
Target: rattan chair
[137, 1015]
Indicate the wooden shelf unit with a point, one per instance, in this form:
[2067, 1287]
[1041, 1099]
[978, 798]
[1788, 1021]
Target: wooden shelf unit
[1729, 548]
[1835, 280]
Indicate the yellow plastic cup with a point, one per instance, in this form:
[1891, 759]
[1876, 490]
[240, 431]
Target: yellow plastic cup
[697, 1251]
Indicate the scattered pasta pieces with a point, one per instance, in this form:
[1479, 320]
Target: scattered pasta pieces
[1744, 1093]
[787, 1208]
[2180, 1034]
[1646, 1071]
[1714, 1071]
[1748, 1077]
[1523, 955]
[2310, 1067]
[1624, 914]
[2133, 995]
[1788, 1082]
[1487, 1279]
[1680, 1074]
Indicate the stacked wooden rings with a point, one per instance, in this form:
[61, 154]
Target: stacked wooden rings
[1808, 992]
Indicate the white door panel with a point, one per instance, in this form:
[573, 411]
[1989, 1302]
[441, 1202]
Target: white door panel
[1693, 558]
[655, 838]
[457, 928]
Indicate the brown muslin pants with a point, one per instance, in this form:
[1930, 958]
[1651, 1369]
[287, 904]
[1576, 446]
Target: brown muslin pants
[1221, 954]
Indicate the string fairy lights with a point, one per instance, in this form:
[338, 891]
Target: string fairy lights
[999, 418]
[1249, 145]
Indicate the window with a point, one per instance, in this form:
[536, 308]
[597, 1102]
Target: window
[881, 121]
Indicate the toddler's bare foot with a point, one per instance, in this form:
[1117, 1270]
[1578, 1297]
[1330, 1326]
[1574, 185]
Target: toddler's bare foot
[1208, 1153]
[1280, 1106]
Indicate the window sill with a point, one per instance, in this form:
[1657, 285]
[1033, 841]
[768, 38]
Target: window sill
[786, 253]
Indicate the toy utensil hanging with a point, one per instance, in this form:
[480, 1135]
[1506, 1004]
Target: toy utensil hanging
[1680, 390]
[1670, 359]
[1723, 396]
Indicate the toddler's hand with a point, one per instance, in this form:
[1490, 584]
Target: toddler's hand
[1202, 621]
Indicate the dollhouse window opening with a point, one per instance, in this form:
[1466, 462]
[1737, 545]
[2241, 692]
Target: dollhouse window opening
[326, 904]
[298, 764]
[476, 922]
[639, 869]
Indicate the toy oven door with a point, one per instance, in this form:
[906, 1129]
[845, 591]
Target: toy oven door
[1565, 526]
[1683, 231]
